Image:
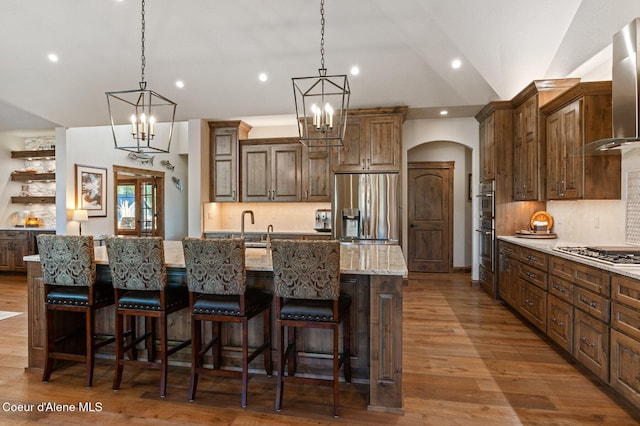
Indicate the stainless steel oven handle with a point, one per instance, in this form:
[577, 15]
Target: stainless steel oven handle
[484, 232]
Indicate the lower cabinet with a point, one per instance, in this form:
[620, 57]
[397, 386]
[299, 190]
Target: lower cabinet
[533, 304]
[591, 343]
[14, 246]
[487, 280]
[560, 323]
[625, 366]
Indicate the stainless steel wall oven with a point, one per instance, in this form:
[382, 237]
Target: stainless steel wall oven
[487, 229]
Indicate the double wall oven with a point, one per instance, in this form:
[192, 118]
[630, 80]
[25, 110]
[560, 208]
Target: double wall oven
[487, 229]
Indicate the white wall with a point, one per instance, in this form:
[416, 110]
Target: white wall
[93, 146]
[463, 131]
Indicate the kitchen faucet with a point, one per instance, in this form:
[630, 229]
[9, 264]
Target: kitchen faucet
[244, 212]
[269, 231]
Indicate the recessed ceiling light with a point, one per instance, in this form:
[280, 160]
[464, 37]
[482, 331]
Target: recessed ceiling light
[263, 76]
[444, 112]
[456, 63]
[355, 70]
[180, 84]
[52, 57]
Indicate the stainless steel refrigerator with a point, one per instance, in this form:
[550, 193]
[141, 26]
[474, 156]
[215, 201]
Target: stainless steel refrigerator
[365, 207]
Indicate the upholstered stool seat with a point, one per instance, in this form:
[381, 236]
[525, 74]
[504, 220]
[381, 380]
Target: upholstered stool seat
[306, 278]
[313, 310]
[141, 289]
[79, 296]
[69, 276]
[255, 301]
[218, 293]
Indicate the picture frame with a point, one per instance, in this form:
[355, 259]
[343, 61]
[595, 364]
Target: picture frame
[91, 190]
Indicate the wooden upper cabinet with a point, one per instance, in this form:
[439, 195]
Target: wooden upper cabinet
[316, 174]
[224, 174]
[487, 150]
[271, 171]
[578, 116]
[528, 136]
[372, 143]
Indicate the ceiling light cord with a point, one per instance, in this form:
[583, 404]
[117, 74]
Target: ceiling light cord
[143, 61]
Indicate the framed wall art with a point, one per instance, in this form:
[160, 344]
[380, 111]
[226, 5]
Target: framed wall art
[91, 190]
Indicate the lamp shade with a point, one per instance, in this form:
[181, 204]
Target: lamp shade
[80, 215]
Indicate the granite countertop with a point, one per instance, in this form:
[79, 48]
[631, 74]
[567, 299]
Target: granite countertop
[366, 259]
[260, 233]
[547, 246]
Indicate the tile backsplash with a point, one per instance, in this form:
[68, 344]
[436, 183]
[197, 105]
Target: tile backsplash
[633, 208]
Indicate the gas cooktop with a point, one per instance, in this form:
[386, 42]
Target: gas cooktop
[611, 255]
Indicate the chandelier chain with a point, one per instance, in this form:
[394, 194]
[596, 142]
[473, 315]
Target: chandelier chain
[142, 58]
[322, 34]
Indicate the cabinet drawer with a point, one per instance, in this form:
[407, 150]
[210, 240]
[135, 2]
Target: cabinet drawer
[533, 305]
[562, 268]
[561, 289]
[14, 235]
[534, 258]
[594, 279]
[591, 303]
[625, 290]
[534, 276]
[508, 249]
[560, 322]
[625, 319]
[591, 343]
[625, 366]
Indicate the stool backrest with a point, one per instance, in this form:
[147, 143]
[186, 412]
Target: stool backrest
[137, 263]
[67, 259]
[306, 269]
[215, 266]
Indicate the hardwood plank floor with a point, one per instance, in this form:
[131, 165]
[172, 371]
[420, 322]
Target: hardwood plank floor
[467, 360]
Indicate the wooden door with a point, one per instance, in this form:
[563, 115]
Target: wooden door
[285, 173]
[430, 186]
[382, 143]
[349, 157]
[256, 173]
[224, 160]
[316, 174]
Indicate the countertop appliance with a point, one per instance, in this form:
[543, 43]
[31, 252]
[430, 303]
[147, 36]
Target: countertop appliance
[323, 220]
[611, 255]
[365, 207]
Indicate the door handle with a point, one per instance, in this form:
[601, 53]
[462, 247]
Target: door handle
[412, 226]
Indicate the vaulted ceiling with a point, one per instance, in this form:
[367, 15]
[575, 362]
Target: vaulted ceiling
[403, 48]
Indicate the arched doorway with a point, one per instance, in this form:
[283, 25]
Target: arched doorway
[436, 254]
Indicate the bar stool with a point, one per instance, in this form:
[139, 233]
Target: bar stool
[140, 285]
[306, 278]
[69, 276]
[218, 293]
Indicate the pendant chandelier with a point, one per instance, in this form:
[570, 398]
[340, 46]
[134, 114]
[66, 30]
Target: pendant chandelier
[143, 111]
[321, 103]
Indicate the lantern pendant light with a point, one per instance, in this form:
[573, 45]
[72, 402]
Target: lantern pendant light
[321, 103]
[144, 112]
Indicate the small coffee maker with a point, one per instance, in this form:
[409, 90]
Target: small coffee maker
[323, 220]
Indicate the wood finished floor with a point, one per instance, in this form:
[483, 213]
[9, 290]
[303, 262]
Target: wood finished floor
[467, 361]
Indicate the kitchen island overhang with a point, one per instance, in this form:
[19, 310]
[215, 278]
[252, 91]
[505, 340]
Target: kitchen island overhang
[372, 274]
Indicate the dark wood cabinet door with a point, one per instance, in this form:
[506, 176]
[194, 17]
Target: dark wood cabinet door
[560, 323]
[350, 157]
[382, 143]
[224, 161]
[256, 173]
[487, 149]
[316, 174]
[285, 172]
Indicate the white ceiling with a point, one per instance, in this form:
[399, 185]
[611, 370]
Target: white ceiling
[218, 47]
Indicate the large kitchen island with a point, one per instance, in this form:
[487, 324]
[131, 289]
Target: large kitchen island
[372, 274]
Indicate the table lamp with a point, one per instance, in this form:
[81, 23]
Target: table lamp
[80, 216]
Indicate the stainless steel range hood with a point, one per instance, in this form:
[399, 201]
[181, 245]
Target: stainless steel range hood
[625, 95]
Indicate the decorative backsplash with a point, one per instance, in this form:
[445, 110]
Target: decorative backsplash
[633, 208]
